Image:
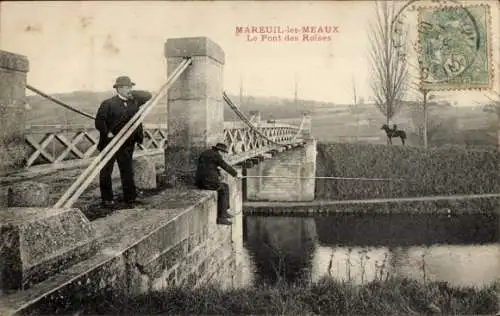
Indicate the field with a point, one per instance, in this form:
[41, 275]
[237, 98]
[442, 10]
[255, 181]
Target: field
[457, 126]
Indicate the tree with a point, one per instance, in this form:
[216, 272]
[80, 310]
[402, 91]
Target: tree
[390, 76]
[423, 123]
[425, 92]
[434, 129]
[354, 107]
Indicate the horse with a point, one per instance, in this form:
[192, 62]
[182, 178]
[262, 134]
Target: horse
[394, 132]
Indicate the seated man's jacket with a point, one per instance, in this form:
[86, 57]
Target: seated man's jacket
[208, 172]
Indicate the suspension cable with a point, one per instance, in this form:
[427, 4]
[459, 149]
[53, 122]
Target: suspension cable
[242, 116]
[72, 108]
[70, 196]
[301, 126]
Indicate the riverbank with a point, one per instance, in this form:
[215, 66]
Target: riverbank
[389, 297]
[408, 171]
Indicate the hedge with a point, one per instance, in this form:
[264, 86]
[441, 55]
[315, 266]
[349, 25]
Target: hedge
[419, 172]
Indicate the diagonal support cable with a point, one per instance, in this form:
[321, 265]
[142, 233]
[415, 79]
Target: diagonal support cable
[74, 192]
[65, 105]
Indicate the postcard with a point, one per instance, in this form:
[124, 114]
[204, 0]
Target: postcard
[250, 157]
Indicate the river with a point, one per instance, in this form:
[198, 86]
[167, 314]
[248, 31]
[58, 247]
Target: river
[460, 249]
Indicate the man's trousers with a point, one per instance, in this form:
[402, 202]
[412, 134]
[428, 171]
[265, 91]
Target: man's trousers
[124, 157]
[222, 199]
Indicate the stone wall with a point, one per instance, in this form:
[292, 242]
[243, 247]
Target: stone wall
[278, 183]
[175, 241]
[195, 252]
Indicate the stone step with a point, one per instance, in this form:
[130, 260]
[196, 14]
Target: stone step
[39, 242]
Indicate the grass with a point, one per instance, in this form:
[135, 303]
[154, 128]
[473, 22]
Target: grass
[394, 296]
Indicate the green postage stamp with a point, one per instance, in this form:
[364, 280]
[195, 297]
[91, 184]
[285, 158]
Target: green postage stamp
[455, 50]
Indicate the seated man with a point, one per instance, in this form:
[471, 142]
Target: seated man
[208, 177]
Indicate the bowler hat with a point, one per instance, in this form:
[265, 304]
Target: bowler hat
[221, 147]
[123, 81]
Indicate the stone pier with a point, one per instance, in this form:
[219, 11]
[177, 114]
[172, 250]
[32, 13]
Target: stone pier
[306, 128]
[255, 117]
[13, 73]
[288, 176]
[195, 108]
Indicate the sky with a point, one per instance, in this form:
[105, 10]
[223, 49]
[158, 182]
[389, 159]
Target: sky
[86, 45]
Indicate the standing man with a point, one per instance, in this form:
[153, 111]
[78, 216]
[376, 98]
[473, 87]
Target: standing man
[111, 117]
[208, 177]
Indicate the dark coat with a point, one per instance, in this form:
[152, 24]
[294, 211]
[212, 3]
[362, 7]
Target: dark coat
[207, 171]
[112, 116]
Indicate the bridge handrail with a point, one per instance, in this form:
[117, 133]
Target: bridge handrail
[58, 128]
[69, 139]
[240, 124]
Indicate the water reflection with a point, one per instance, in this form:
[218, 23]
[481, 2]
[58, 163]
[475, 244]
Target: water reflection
[457, 264]
[406, 229]
[280, 247]
[461, 250]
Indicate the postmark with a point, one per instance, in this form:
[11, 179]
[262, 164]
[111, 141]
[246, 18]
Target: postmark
[454, 47]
